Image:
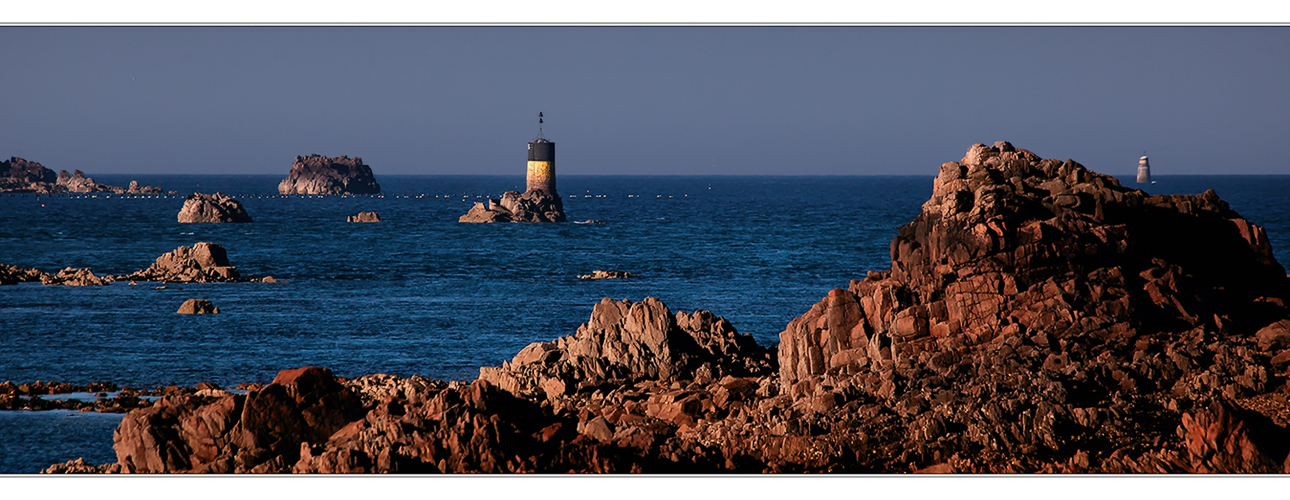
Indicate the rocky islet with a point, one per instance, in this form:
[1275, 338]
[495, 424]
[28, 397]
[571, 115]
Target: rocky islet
[212, 208]
[1037, 317]
[320, 175]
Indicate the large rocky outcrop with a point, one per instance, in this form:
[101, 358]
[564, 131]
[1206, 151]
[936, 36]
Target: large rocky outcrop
[316, 174]
[212, 208]
[625, 341]
[530, 206]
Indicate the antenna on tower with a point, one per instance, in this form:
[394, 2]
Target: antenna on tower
[539, 124]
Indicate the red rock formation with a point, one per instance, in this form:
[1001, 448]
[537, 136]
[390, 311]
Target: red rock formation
[317, 174]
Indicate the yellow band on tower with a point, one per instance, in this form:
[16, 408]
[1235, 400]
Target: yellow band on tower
[541, 175]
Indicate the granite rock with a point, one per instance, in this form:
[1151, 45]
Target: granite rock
[316, 174]
[212, 208]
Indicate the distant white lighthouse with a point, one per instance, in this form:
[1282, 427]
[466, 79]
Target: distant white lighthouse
[1144, 170]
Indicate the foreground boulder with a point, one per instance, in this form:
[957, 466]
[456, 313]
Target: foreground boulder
[530, 206]
[197, 306]
[365, 217]
[212, 208]
[316, 174]
[261, 431]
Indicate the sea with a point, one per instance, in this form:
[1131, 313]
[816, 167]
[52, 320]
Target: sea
[420, 293]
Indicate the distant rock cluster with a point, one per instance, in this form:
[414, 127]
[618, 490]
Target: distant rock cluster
[21, 176]
[316, 174]
[530, 206]
[212, 208]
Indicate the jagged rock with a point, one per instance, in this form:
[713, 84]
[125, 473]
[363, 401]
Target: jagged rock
[197, 306]
[626, 341]
[19, 175]
[600, 275]
[261, 431]
[317, 174]
[75, 277]
[212, 208]
[12, 275]
[530, 206]
[204, 262]
[365, 217]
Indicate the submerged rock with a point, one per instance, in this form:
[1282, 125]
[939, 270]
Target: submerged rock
[197, 306]
[212, 208]
[600, 275]
[316, 174]
[365, 217]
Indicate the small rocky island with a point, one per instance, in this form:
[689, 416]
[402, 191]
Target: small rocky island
[212, 208]
[538, 203]
[317, 174]
[21, 176]
[1037, 317]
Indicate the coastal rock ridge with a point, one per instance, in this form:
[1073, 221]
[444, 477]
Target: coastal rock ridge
[316, 174]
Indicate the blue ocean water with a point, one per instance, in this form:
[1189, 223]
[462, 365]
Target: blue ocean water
[422, 294]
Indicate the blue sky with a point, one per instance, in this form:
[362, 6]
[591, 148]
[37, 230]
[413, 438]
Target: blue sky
[643, 100]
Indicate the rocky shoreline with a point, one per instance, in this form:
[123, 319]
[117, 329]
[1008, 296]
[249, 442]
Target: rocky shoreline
[1037, 317]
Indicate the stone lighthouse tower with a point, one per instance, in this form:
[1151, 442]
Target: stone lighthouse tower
[1144, 170]
[541, 172]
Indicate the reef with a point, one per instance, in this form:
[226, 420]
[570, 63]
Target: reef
[204, 262]
[1037, 317]
[316, 174]
[21, 176]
